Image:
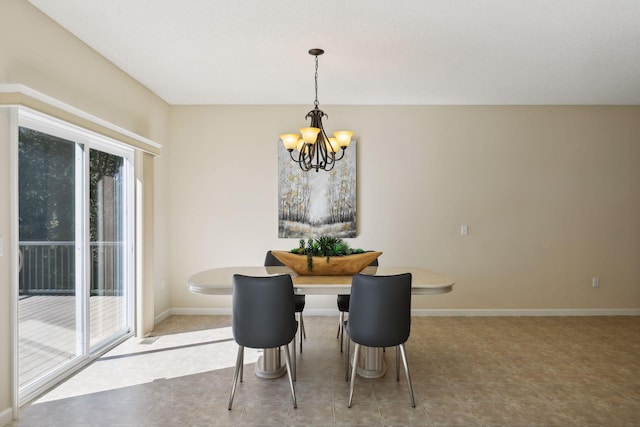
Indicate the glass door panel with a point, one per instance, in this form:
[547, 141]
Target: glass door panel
[107, 294]
[48, 230]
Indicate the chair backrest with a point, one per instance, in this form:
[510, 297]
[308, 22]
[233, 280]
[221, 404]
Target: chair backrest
[380, 310]
[263, 311]
[271, 261]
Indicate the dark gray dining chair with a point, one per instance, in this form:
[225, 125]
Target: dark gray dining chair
[300, 300]
[343, 307]
[380, 316]
[263, 317]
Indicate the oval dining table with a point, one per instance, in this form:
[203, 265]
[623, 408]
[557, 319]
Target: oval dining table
[218, 281]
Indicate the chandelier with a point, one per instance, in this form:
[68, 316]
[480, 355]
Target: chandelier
[315, 150]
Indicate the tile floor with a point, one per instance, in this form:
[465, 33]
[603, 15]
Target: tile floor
[467, 371]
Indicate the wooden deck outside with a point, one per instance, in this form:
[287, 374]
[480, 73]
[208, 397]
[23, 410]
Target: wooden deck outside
[47, 330]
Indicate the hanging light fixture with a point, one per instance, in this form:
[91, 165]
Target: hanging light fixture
[315, 150]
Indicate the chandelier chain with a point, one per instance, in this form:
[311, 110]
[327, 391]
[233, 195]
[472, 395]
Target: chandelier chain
[316, 103]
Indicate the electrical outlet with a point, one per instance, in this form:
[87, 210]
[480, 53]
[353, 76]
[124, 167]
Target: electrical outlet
[595, 282]
[464, 230]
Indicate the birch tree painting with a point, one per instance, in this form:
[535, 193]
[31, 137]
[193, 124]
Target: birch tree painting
[313, 203]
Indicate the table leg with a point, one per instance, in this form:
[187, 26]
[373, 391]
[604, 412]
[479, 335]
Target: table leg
[269, 365]
[371, 363]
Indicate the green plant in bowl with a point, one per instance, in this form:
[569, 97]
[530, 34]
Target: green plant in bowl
[324, 246]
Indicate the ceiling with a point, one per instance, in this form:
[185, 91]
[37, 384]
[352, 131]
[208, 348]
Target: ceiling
[379, 52]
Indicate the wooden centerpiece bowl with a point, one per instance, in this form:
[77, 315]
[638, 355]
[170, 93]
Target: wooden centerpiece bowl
[346, 265]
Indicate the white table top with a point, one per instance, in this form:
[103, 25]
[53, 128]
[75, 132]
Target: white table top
[217, 281]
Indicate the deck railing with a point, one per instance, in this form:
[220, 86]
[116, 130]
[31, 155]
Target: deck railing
[48, 268]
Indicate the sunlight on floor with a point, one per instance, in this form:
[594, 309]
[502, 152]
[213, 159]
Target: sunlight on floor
[138, 361]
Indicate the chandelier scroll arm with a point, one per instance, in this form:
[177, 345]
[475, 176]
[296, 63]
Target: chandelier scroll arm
[342, 150]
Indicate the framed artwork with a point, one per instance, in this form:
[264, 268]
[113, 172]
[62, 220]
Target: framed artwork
[313, 203]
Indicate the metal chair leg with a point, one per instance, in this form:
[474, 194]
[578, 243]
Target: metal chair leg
[294, 361]
[301, 332]
[356, 354]
[406, 370]
[397, 363]
[341, 332]
[304, 332]
[347, 361]
[287, 361]
[236, 372]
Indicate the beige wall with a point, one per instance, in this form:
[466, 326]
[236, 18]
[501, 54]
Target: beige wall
[551, 196]
[36, 52]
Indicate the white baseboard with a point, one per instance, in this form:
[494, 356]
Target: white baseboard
[160, 317]
[201, 311]
[531, 312]
[443, 312]
[6, 416]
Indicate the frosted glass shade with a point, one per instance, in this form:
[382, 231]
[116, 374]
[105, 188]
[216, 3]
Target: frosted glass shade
[289, 140]
[301, 146]
[332, 145]
[309, 135]
[343, 137]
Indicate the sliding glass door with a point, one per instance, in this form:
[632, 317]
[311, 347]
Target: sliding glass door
[107, 238]
[75, 240]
